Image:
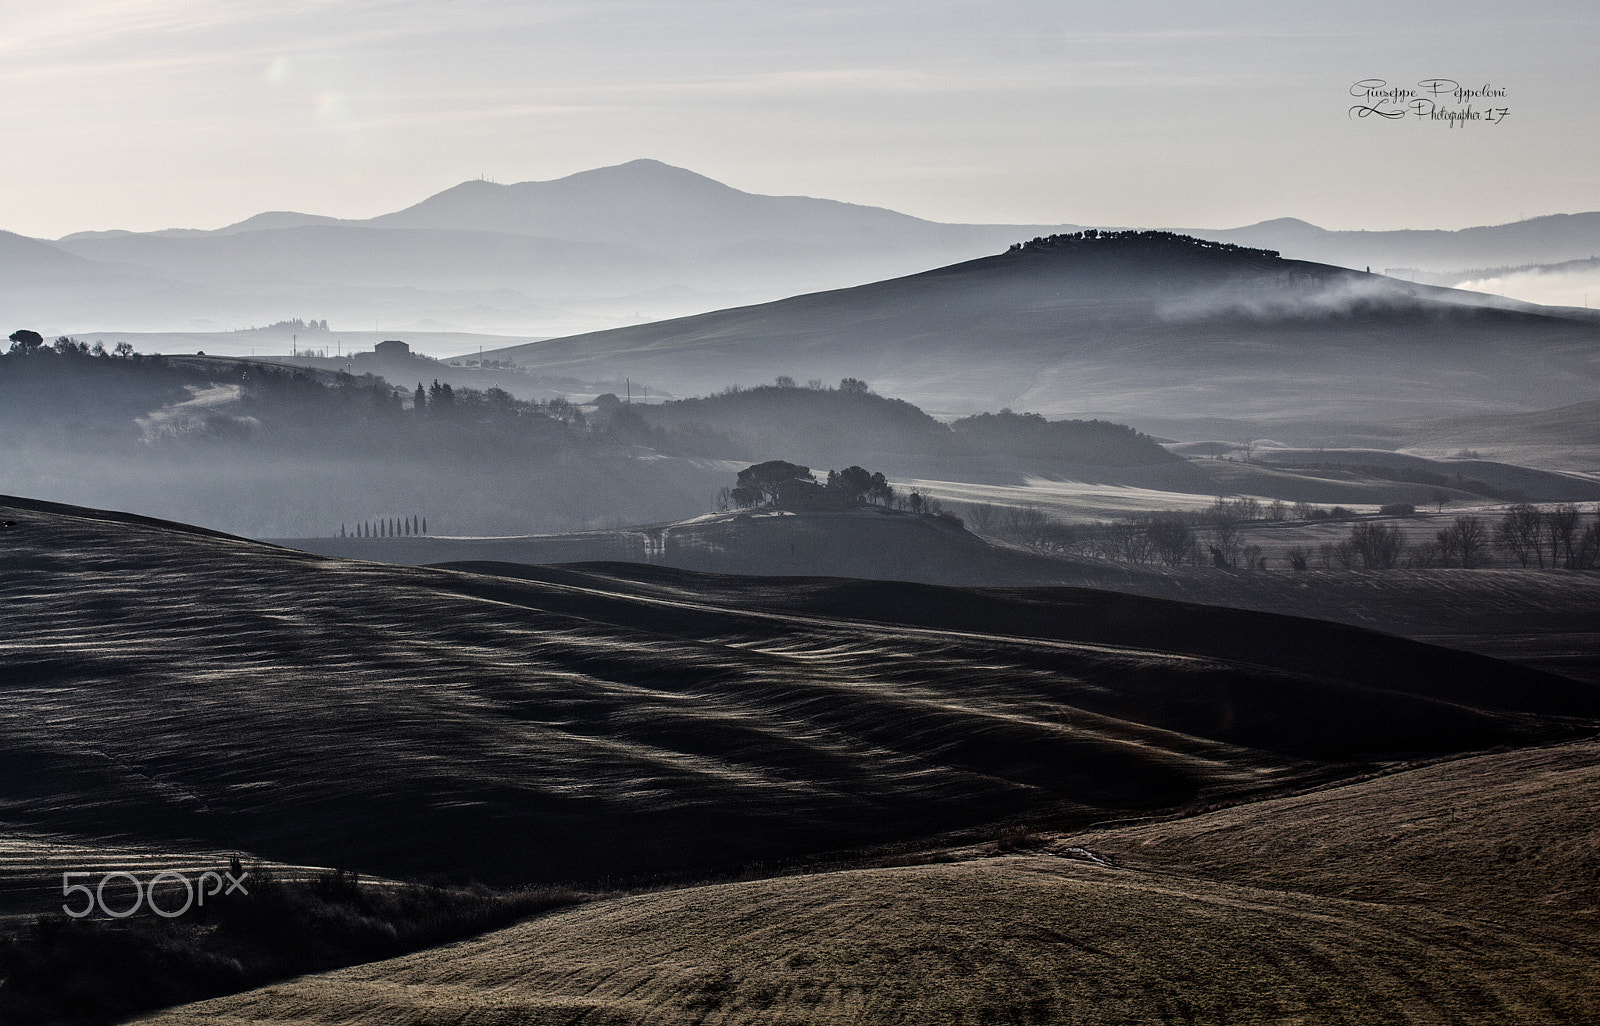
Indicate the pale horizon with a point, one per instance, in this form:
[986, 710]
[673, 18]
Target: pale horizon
[144, 115]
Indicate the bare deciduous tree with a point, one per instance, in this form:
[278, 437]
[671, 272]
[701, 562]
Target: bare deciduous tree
[1471, 541]
[1445, 548]
[1379, 546]
[1518, 533]
[1225, 544]
[983, 515]
[1588, 547]
[1561, 530]
[1025, 524]
[1171, 538]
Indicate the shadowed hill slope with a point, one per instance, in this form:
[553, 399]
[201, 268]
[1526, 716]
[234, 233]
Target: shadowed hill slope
[869, 542]
[175, 686]
[1538, 618]
[1565, 438]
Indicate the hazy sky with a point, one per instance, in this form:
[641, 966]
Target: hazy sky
[146, 114]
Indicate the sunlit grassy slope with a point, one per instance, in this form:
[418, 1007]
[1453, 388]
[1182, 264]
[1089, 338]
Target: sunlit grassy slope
[175, 687]
[1461, 892]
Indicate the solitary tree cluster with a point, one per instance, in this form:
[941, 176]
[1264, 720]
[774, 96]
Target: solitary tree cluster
[25, 342]
[765, 482]
[296, 324]
[386, 527]
[1145, 241]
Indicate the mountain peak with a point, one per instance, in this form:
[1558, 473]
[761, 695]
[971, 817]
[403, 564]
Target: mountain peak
[644, 172]
[1286, 224]
[274, 219]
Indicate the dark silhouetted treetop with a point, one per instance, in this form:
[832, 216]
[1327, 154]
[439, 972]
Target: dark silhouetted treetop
[25, 341]
[854, 481]
[1139, 242]
[441, 398]
[767, 478]
[1096, 442]
[860, 484]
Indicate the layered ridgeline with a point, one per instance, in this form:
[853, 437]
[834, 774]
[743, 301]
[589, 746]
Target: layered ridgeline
[1126, 323]
[602, 246]
[280, 452]
[260, 449]
[168, 686]
[838, 426]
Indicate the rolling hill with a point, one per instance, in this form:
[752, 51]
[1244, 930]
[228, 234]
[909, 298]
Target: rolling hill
[907, 779]
[557, 723]
[1457, 892]
[1536, 618]
[1124, 324]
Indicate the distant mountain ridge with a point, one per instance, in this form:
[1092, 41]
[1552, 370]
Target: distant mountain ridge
[671, 210]
[1553, 238]
[638, 241]
[667, 242]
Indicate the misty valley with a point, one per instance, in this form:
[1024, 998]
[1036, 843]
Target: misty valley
[1125, 625]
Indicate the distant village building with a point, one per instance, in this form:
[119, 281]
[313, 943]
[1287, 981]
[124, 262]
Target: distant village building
[391, 356]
